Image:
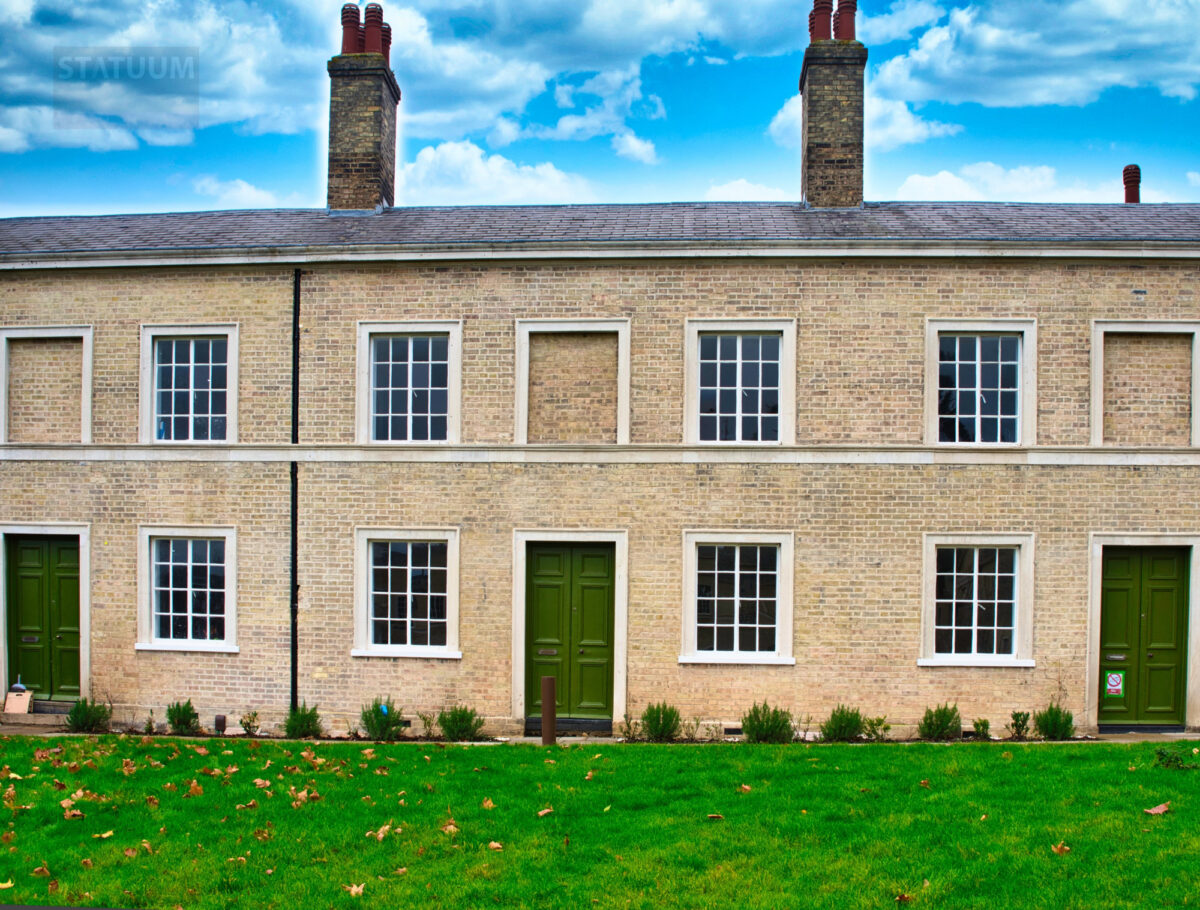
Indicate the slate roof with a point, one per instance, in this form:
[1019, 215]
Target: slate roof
[711, 223]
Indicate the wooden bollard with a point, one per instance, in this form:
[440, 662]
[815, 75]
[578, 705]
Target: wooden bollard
[549, 710]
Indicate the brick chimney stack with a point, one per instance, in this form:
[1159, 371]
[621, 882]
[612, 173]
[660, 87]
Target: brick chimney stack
[831, 83]
[362, 114]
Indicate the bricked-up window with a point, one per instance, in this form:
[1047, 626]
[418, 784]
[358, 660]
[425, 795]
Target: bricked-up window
[410, 383]
[736, 597]
[191, 389]
[189, 586]
[739, 387]
[976, 605]
[409, 603]
[979, 397]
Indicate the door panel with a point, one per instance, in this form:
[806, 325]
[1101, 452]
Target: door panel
[1143, 634]
[43, 614]
[569, 621]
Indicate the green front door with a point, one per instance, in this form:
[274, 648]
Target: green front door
[1143, 635]
[569, 627]
[42, 603]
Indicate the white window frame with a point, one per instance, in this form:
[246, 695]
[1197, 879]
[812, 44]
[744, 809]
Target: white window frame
[1022, 655]
[1027, 399]
[37, 333]
[527, 327]
[1103, 327]
[147, 640]
[150, 334]
[452, 328]
[363, 646]
[784, 591]
[786, 328]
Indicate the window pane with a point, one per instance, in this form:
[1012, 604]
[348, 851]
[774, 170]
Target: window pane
[978, 620]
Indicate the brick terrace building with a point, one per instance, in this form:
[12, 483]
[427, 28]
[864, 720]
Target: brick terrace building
[886, 454]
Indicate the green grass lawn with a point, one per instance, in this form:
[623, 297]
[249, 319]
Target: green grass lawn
[284, 824]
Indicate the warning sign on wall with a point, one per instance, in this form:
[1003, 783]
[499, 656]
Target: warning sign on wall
[1114, 684]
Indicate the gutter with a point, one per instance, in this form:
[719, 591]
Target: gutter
[601, 250]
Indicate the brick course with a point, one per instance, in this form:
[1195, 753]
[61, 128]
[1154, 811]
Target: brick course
[45, 389]
[573, 387]
[1147, 389]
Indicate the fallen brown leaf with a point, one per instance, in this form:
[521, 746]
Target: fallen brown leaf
[551, 761]
[403, 870]
[925, 784]
[86, 863]
[745, 788]
[4, 886]
[544, 812]
[53, 886]
[104, 836]
[194, 790]
[41, 871]
[488, 804]
[355, 890]
[72, 813]
[7, 837]
[1061, 848]
[715, 817]
[450, 827]
[253, 804]
[495, 845]
[170, 787]
[200, 750]
[588, 776]
[903, 898]
[261, 784]
[127, 767]
[1161, 809]
[130, 852]
[59, 785]
[152, 802]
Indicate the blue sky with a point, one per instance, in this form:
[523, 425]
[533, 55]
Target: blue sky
[523, 101]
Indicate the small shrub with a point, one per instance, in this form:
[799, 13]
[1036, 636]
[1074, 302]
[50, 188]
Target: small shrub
[1018, 729]
[303, 723]
[875, 729]
[940, 724]
[428, 724]
[983, 729]
[89, 717]
[148, 726]
[460, 724]
[1178, 758]
[845, 725]
[689, 732]
[630, 729]
[249, 722]
[660, 723]
[182, 718]
[1054, 723]
[764, 724]
[381, 721]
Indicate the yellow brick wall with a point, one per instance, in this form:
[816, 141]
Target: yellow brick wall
[860, 331]
[573, 387]
[115, 499]
[1147, 389]
[118, 302]
[45, 389]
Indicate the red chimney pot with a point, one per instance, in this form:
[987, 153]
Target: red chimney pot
[387, 43]
[1132, 175]
[822, 20]
[349, 29]
[373, 29]
[843, 23]
[812, 25]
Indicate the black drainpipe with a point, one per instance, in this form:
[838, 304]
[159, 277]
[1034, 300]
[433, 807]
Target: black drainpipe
[295, 491]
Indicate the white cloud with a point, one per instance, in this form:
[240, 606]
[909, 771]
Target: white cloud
[987, 181]
[627, 145]
[715, 61]
[742, 190]
[1004, 54]
[888, 124]
[30, 126]
[563, 95]
[18, 12]
[459, 173]
[234, 194]
[902, 19]
[1193, 178]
